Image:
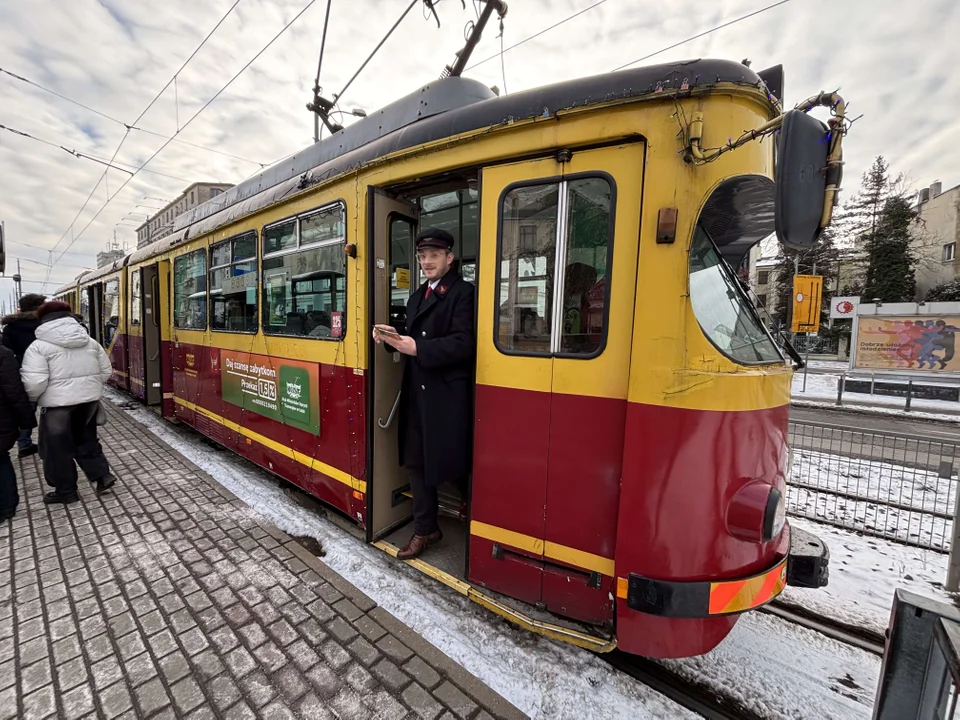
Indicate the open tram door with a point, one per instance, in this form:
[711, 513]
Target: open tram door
[392, 227]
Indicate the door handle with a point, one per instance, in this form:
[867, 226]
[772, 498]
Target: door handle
[384, 424]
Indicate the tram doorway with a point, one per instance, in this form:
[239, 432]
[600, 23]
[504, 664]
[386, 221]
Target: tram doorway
[396, 218]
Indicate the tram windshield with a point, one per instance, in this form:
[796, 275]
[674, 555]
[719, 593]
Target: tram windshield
[723, 310]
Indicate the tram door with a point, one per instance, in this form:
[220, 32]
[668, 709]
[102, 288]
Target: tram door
[393, 227]
[150, 287]
[559, 251]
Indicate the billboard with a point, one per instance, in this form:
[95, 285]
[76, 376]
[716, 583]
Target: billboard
[918, 342]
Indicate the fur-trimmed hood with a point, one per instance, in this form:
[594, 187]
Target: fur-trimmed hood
[18, 317]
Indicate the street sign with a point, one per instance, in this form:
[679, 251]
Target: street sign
[807, 290]
[844, 307]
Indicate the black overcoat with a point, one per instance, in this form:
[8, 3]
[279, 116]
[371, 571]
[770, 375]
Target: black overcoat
[15, 409]
[436, 401]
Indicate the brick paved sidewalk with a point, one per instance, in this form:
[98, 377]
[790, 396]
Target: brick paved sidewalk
[166, 598]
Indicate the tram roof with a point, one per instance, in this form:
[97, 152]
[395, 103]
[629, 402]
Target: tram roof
[438, 110]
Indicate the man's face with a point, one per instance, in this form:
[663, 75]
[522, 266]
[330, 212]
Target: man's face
[434, 262]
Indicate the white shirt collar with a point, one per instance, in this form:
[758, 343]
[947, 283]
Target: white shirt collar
[433, 285]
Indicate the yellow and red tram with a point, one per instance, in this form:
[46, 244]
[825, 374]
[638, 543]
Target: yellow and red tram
[630, 436]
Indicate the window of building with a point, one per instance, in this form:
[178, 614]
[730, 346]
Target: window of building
[761, 301]
[136, 298]
[214, 192]
[304, 275]
[568, 236]
[233, 284]
[763, 277]
[723, 310]
[191, 198]
[190, 291]
[949, 252]
[111, 310]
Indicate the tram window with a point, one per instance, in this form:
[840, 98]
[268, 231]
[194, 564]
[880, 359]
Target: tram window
[304, 282]
[190, 291]
[527, 269]
[136, 298]
[589, 215]
[723, 310]
[530, 320]
[111, 311]
[233, 284]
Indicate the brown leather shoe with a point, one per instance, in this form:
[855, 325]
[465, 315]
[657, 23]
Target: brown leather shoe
[417, 544]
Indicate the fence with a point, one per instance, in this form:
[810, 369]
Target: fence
[817, 345]
[888, 485]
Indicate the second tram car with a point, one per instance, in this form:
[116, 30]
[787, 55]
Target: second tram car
[631, 409]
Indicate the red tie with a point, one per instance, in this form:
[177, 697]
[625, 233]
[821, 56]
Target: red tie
[428, 293]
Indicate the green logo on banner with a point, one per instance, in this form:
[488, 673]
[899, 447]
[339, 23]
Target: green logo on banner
[271, 388]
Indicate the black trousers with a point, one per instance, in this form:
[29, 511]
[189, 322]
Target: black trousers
[9, 497]
[69, 434]
[426, 509]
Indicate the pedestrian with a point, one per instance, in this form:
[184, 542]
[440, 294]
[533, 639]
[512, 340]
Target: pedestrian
[18, 333]
[436, 416]
[64, 371]
[15, 416]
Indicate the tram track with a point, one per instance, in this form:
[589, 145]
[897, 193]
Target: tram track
[697, 698]
[866, 640]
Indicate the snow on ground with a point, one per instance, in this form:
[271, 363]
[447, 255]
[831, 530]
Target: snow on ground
[822, 389]
[770, 665]
[781, 670]
[864, 573]
[865, 481]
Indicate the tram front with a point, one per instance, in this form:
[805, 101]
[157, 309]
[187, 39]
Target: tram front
[702, 531]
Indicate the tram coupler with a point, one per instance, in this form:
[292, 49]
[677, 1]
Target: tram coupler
[808, 564]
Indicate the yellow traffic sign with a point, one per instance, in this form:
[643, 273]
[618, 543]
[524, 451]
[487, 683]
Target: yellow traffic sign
[807, 291]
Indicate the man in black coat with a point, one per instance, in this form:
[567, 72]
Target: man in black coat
[18, 333]
[436, 416]
[16, 414]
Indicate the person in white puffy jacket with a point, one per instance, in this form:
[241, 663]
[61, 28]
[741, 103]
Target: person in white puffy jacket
[63, 371]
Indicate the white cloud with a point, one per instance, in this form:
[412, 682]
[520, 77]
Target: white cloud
[895, 66]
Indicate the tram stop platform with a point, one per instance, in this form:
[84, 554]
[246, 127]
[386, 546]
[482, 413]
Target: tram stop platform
[167, 598]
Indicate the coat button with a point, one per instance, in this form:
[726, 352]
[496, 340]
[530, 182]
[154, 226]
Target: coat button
[423, 387]
[423, 334]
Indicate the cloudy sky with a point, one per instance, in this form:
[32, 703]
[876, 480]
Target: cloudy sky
[896, 66]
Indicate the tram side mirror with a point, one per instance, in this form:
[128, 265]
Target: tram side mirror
[801, 179]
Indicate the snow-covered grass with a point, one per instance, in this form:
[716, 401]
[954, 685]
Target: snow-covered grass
[864, 483]
[772, 666]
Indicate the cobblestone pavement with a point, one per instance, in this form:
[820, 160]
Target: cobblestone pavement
[167, 598]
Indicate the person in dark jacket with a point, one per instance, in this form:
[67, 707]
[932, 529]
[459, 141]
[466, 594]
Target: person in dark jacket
[15, 414]
[436, 416]
[18, 333]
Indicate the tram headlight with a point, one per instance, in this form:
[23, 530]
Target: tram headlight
[756, 513]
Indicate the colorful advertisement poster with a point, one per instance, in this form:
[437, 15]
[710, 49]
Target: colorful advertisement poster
[922, 342]
[287, 391]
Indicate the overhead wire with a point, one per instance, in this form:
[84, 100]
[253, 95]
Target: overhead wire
[140, 117]
[194, 117]
[375, 50]
[532, 37]
[121, 122]
[85, 156]
[704, 33]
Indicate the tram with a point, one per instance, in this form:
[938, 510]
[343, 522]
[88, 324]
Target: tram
[631, 409]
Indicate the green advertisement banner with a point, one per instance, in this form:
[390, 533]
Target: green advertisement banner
[287, 391]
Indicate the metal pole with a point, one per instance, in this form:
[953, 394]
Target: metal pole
[806, 364]
[953, 564]
[909, 394]
[840, 387]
